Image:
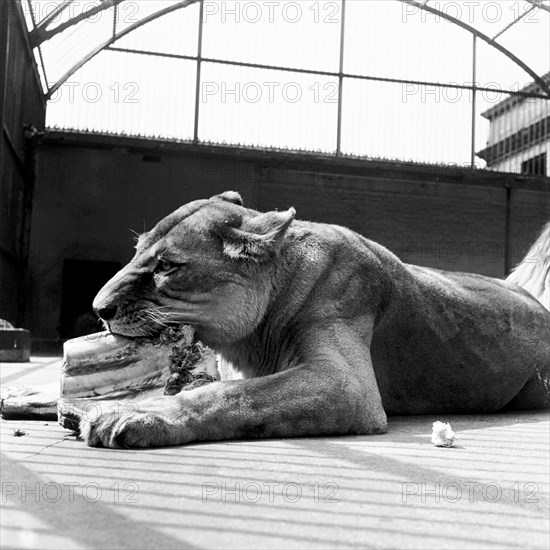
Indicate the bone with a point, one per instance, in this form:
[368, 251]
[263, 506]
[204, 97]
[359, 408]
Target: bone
[108, 372]
[104, 372]
[29, 402]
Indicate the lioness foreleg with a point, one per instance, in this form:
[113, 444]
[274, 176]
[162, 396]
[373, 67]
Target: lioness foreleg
[301, 401]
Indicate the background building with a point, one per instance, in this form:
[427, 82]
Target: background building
[519, 135]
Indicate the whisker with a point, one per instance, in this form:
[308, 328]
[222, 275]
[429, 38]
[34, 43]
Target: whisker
[155, 316]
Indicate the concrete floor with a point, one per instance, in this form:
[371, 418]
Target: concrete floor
[391, 491]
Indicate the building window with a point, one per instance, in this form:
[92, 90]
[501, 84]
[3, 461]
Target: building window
[535, 166]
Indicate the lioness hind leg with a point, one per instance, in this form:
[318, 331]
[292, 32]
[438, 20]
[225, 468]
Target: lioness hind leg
[535, 394]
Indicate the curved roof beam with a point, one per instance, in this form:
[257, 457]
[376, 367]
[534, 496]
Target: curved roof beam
[420, 4]
[540, 4]
[114, 38]
[424, 6]
[40, 34]
[57, 11]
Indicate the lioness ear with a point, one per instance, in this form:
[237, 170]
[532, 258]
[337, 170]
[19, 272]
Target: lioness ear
[258, 238]
[230, 196]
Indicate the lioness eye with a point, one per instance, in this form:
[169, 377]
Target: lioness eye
[163, 266]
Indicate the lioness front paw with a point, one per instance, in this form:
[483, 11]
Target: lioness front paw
[137, 429]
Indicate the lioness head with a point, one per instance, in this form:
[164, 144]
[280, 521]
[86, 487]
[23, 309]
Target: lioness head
[210, 264]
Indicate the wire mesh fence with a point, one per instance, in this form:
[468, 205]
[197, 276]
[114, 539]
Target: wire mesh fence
[461, 83]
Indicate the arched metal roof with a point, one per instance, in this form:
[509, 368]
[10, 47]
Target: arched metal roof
[406, 79]
[67, 21]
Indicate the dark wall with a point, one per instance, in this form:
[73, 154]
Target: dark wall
[21, 104]
[92, 190]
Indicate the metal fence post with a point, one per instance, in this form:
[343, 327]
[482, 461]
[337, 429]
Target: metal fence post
[474, 89]
[198, 83]
[341, 81]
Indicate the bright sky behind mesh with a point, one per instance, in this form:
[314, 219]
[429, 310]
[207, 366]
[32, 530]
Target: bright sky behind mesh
[141, 94]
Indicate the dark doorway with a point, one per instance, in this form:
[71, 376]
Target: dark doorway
[82, 279]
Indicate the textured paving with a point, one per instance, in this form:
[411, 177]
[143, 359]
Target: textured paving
[391, 491]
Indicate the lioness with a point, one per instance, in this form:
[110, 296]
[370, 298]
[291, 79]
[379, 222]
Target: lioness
[328, 331]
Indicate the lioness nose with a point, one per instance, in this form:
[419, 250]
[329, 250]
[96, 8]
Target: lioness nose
[106, 313]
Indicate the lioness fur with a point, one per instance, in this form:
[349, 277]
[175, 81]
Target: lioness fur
[321, 330]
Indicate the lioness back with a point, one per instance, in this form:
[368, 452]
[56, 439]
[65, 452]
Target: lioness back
[442, 341]
[459, 342]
